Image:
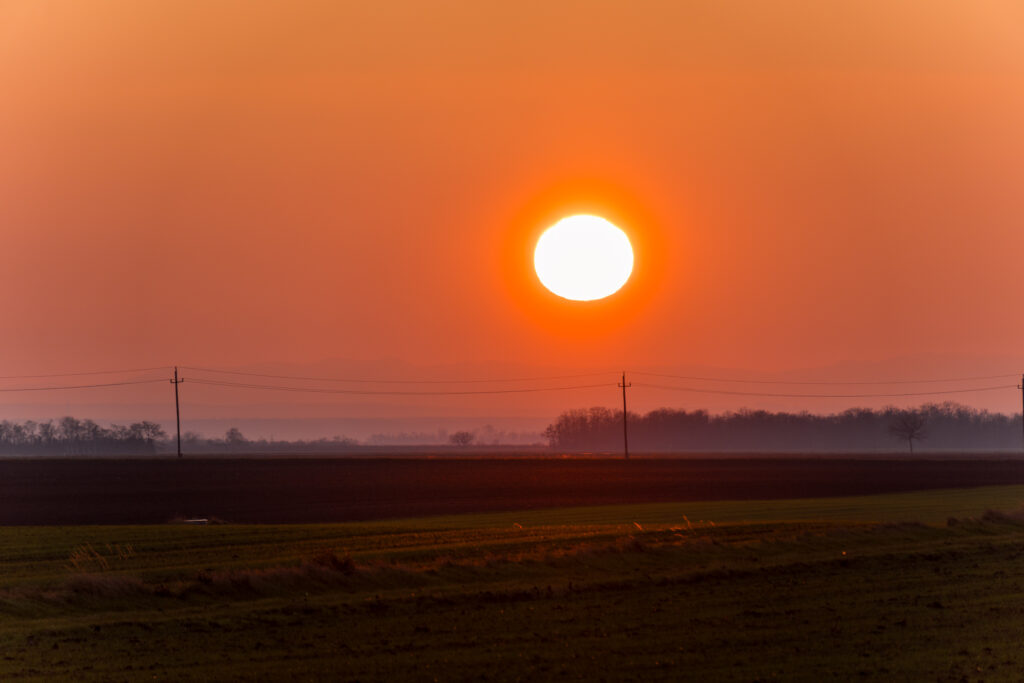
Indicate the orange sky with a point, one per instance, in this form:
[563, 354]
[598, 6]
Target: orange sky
[233, 183]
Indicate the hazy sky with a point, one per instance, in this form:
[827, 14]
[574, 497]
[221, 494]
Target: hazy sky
[226, 183]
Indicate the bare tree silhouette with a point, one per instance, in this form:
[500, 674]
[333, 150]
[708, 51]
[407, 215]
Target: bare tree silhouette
[234, 437]
[909, 425]
[461, 439]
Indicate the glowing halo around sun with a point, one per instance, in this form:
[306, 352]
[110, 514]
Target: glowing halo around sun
[583, 258]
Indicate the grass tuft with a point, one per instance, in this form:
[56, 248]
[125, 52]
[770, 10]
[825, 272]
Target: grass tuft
[87, 560]
[104, 586]
[328, 559]
[1004, 516]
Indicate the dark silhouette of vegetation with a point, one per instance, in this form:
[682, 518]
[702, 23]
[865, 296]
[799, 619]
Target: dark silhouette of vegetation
[236, 442]
[484, 436]
[947, 426]
[461, 439]
[70, 436]
[909, 425]
[234, 437]
[951, 426]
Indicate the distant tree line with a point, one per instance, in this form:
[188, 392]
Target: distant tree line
[70, 436]
[487, 435]
[945, 426]
[236, 442]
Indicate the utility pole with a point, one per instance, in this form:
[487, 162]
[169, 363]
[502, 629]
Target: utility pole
[625, 433]
[177, 409]
[1021, 387]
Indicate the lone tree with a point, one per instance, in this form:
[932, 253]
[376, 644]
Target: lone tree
[909, 425]
[233, 437]
[461, 439]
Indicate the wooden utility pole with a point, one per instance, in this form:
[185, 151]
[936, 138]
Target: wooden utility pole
[625, 432]
[1021, 387]
[177, 409]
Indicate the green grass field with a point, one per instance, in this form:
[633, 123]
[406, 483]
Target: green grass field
[876, 587]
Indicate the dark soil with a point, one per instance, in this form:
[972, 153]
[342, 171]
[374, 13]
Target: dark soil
[155, 490]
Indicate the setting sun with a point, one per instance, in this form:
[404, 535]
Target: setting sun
[583, 258]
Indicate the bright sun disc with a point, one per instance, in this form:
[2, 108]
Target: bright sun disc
[583, 258]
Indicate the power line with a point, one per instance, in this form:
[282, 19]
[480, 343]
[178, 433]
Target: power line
[362, 392]
[893, 395]
[355, 380]
[464, 392]
[824, 382]
[93, 372]
[84, 386]
[395, 381]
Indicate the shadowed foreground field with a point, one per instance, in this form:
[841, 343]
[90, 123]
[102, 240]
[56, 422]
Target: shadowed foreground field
[272, 490]
[795, 590]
